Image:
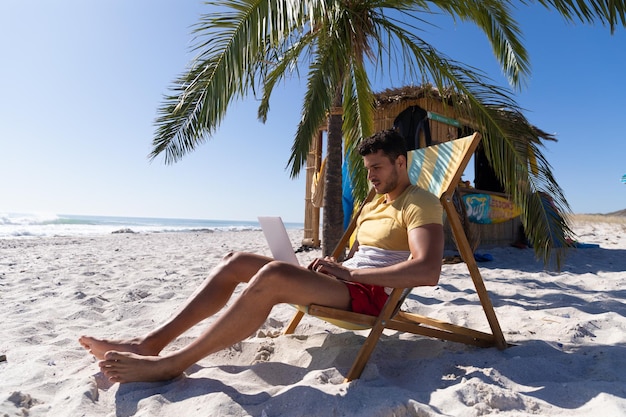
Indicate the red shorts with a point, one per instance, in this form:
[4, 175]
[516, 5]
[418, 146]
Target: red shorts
[367, 299]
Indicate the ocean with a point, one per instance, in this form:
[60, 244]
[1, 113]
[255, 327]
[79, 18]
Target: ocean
[39, 225]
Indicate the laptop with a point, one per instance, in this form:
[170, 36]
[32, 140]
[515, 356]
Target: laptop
[278, 239]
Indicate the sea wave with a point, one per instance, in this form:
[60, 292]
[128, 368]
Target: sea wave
[21, 219]
[40, 225]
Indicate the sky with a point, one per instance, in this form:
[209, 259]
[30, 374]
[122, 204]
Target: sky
[82, 81]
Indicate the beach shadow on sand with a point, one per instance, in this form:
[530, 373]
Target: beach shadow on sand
[245, 395]
[532, 290]
[533, 369]
[552, 296]
[129, 395]
[578, 261]
[256, 387]
[400, 374]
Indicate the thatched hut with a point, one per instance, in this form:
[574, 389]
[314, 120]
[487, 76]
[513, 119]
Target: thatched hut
[442, 125]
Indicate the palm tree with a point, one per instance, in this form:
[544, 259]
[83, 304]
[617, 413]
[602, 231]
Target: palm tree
[248, 46]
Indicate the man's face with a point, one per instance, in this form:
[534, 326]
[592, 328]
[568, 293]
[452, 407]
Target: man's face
[381, 172]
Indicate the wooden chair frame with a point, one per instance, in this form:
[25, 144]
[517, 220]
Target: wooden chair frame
[392, 317]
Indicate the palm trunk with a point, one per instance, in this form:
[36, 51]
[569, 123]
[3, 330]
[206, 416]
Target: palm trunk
[332, 228]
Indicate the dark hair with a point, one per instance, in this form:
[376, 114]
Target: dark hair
[390, 141]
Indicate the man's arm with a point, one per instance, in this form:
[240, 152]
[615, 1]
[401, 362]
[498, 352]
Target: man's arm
[426, 245]
[424, 267]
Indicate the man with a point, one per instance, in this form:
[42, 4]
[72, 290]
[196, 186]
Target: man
[404, 221]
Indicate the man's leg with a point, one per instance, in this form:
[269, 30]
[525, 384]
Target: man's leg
[275, 283]
[208, 299]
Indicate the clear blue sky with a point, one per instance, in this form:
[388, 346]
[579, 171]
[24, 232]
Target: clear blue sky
[81, 82]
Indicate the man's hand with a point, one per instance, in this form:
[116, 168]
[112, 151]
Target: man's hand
[330, 266]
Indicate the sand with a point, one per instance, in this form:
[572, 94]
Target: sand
[568, 327]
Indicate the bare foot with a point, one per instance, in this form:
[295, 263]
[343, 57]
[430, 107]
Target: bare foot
[98, 347]
[130, 367]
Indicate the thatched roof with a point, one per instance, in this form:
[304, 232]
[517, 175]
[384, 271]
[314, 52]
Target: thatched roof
[407, 93]
[393, 96]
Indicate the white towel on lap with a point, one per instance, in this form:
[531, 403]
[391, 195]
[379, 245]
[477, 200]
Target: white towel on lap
[372, 257]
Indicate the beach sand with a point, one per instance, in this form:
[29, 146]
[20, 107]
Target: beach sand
[568, 327]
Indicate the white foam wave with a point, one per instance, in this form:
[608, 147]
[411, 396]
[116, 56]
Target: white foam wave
[41, 225]
[24, 219]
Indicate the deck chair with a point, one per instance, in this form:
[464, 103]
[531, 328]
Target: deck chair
[438, 169]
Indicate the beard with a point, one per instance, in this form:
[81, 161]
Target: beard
[389, 184]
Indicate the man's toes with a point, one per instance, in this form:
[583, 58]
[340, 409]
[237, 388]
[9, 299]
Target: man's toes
[113, 356]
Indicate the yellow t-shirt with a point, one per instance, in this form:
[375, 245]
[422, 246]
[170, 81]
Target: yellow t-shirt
[387, 225]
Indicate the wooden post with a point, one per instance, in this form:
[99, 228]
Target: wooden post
[311, 213]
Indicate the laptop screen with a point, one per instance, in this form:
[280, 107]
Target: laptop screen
[278, 239]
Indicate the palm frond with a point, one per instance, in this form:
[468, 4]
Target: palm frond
[324, 77]
[607, 12]
[233, 44]
[526, 175]
[358, 111]
[285, 62]
[512, 148]
[495, 20]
